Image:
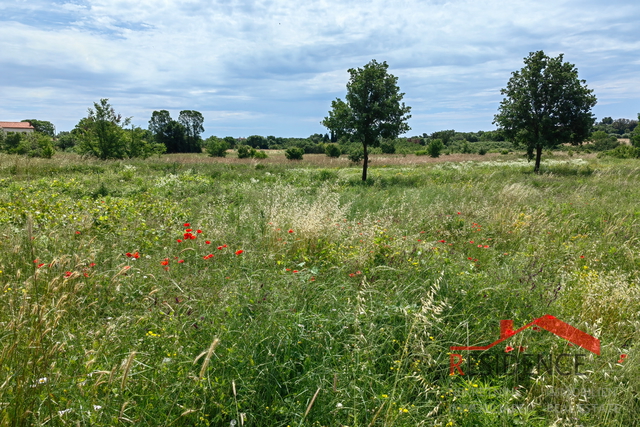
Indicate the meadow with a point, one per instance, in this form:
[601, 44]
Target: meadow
[185, 290]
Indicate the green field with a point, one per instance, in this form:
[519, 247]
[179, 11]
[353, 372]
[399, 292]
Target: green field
[191, 291]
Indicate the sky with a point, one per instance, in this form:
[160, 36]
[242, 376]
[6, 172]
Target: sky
[272, 67]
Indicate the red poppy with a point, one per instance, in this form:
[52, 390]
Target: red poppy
[295, 271]
[313, 279]
[207, 242]
[186, 224]
[77, 232]
[68, 274]
[486, 246]
[180, 261]
[239, 251]
[179, 240]
[136, 255]
[189, 229]
[220, 248]
[470, 241]
[581, 256]
[290, 231]
[93, 264]
[128, 254]
[198, 231]
[40, 265]
[224, 246]
[508, 349]
[459, 213]
[165, 262]
[442, 241]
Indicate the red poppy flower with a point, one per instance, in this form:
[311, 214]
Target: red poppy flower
[470, 241]
[77, 232]
[239, 251]
[93, 264]
[180, 261]
[207, 242]
[508, 349]
[179, 240]
[295, 271]
[40, 265]
[189, 229]
[442, 241]
[136, 255]
[128, 254]
[165, 262]
[68, 274]
[198, 231]
[581, 256]
[486, 246]
[186, 224]
[290, 231]
[220, 248]
[224, 246]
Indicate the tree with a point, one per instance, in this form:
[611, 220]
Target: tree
[216, 147]
[192, 122]
[635, 135]
[101, 133]
[43, 126]
[169, 132]
[546, 105]
[373, 109]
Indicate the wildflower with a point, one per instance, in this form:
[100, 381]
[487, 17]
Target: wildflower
[290, 231]
[189, 229]
[220, 248]
[68, 274]
[180, 261]
[239, 251]
[207, 242]
[459, 213]
[179, 240]
[186, 224]
[581, 256]
[93, 264]
[224, 246]
[486, 246]
[77, 232]
[508, 349]
[442, 241]
[165, 262]
[128, 254]
[295, 271]
[41, 264]
[198, 231]
[622, 357]
[470, 241]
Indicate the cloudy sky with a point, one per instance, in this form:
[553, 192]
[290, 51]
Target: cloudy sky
[272, 67]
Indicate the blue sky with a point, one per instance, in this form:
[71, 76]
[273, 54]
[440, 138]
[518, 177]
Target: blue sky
[273, 67]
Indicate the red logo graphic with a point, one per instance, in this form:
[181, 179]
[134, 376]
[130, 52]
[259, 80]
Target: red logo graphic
[547, 322]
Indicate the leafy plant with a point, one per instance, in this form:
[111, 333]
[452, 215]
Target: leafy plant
[294, 153]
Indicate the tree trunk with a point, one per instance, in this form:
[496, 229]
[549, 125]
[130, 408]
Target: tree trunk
[365, 163]
[536, 169]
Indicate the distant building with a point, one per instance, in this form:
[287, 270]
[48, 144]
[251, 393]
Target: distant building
[24, 127]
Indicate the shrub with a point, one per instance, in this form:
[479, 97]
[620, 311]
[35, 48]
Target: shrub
[216, 147]
[602, 141]
[388, 147]
[294, 153]
[332, 150]
[33, 144]
[356, 155]
[245, 152]
[482, 151]
[260, 155]
[422, 153]
[623, 152]
[435, 147]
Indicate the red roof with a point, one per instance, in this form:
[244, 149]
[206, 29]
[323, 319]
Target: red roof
[16, 125]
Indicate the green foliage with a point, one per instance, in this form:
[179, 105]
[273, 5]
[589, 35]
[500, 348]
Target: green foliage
[171, 133]
[635, 135]
[356, 155]
[482, 151]
[216, 147]
[43, 126]
[373, 109]
[66, 141]
[435, 147]
[245, 152]
[332, 150]
[101, 133]
[602, 141]
[623, 152]
[32, 144]
[257, 141]
[388, 146]
[192, 121]
[259, 154]
[294, 153]
[445, 136]
[561, 103]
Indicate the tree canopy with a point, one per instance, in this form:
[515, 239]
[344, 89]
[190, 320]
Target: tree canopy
[373, 109]
[545, 105]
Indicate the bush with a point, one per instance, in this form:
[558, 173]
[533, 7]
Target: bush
[294, 153]
[260, 155]
[245, 152]
[435, 147]
[482, 151]
[332, 150]
[422, 153]
[602, 141]
[388, 147]
[356, 155]
[33, 144]
[622, 152]
[216, 147]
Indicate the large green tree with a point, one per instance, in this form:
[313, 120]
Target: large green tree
[192, 122]
[43, 126]
[373, 109]
[545, 105]
[171, 133]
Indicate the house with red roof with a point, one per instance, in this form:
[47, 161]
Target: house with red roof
[24, 127]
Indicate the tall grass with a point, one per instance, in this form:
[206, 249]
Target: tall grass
[308, 297]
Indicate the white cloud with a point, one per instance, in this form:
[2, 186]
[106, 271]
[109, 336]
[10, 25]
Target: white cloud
[274, 66]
